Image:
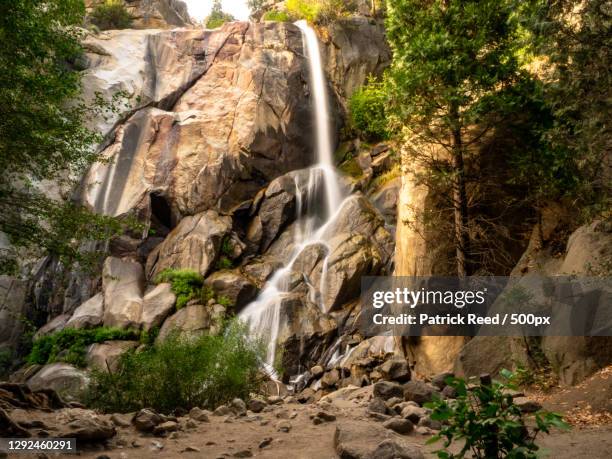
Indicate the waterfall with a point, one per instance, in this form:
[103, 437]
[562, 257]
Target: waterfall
[264, 314]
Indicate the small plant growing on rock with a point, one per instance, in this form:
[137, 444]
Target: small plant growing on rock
[277, 16]
[111, 15]
[217, 16]
[186, 284]
[70, 344]
[487, 421]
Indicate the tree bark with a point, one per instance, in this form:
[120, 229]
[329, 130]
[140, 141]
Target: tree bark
[462, 238]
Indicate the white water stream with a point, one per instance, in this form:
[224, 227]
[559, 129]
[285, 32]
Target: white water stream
[264, 314]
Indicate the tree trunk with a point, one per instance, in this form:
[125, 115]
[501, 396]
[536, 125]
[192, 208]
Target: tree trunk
[462, 239]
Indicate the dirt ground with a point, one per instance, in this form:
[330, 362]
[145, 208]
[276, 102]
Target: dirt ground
[586, 406]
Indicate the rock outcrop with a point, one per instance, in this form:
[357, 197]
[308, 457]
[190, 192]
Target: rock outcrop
[152, 14]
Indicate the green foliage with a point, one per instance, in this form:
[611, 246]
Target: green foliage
[277, 16]
[225, 301]
[217, 16]
[575, 40]
[70, 345]
[367, 111]
[486, 423]
[207, 293]
[112, 14]
[318, 11]
[186, 284]
[181, 373]
[43, 136]
[224, 263]
[385, 178]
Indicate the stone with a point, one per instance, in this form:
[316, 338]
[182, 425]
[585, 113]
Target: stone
[238, 407]
[199, 414]
[394, 449]
[55, 325]
[449, 392]
[106, 356]
[377, 405]
[243, 453]
[527, 405]
[89, 315]
[385, 200]
[419, 392]
[222, 410]
[395, 369]
[165, 427]
[387, 389]
[256, 405]
[306, 396]
[265, 442]
[401, 426]
[275, 400]
[84, 425]
[317, 371]
[158, 304]
[393, 401]
[191, 449]
[439, 380]
[324, 416]
[119, 420]
[283, 426]
[123, 285]
[413, 413]
[235, 287]
[146, 420]
[426, 421]
[63, 378]
[330, 379]
[191, 321]
[366, 441]
[194, 244]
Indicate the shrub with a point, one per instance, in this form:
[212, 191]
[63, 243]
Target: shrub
[111, 15]
[186, 284]
[318, 11]
[70, 345]
[367, 111]
[181, 373]
[277, 16]
[487, 423]
[225, 301]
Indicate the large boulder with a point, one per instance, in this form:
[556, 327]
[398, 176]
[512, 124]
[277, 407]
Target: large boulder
[194, 244]
[89, 315]
[241, 85]
[105, 356]
[189, 321]
[123, 283]
[233, 286]
[83, 425]
[63, 378]
[369, 440]
[158, 304]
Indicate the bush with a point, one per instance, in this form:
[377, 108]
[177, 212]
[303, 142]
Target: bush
[367, 111]
[111, 15]
[318, 11]
[277, 16]
[487, 423]
[224, 263]
[70, 345]
[186, 284]
[181, 373]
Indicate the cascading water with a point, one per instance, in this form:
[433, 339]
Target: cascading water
[264, 314]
